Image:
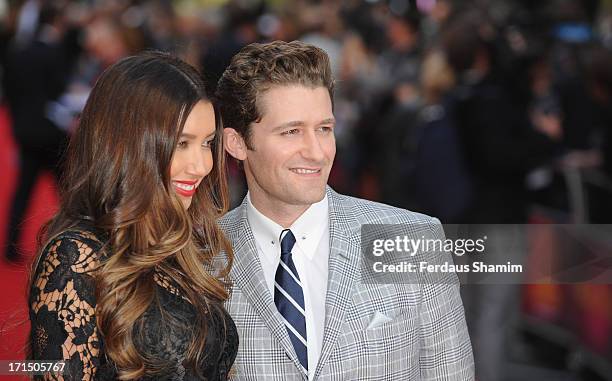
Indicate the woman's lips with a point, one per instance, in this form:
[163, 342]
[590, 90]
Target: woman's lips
[185, 188]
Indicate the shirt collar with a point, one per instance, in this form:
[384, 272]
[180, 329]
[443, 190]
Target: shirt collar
[307, 229]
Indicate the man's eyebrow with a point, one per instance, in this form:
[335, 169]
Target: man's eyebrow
[328, 121]
[293, 123]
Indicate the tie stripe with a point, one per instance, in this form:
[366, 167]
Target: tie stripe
[293, 332]
[289, 299]
[290, 272]
[289, 285]
[285, 295]
[292, 316]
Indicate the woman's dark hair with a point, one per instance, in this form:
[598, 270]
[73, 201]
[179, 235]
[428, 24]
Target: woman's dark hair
[117, 180]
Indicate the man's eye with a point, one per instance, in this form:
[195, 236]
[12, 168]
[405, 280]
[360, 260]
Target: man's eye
[326, 129]
[290, 132]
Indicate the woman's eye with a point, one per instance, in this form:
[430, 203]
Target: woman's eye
[182, 144]
[208, 143]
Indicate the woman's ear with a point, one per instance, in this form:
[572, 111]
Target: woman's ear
[234, 144]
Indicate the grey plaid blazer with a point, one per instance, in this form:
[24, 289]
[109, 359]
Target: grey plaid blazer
[423, 336]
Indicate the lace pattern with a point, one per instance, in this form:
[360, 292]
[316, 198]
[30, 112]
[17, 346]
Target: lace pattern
[62, 306]
[62, 313]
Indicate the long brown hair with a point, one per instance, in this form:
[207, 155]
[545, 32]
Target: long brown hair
[117, 179]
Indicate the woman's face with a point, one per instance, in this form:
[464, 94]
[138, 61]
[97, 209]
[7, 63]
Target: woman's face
[192, 159]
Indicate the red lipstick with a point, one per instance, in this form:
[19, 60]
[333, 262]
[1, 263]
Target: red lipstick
[185, 188]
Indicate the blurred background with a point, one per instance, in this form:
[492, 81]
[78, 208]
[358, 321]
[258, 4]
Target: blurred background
[482, 111]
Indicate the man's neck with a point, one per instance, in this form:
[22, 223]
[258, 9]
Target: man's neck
[283, 214]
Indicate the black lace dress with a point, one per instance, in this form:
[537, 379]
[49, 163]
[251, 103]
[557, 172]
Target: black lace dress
[62, 314]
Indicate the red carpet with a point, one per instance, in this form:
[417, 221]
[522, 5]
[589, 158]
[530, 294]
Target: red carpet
[14, 325]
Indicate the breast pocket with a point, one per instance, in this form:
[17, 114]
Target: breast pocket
[384, 319]
[397, 333]
[391, 301]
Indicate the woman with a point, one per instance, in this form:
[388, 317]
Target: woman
[125, 286]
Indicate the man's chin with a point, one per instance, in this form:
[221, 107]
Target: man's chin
[308, 197]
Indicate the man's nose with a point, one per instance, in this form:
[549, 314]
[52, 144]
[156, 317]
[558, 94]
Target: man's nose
[312, 149]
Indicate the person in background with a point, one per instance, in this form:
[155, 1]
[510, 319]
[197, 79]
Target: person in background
[443, 186]
[36, 73]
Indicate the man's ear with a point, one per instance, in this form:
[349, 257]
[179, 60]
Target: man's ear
[234, 143]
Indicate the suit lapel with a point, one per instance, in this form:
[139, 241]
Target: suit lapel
[343, 273]
[248, 275]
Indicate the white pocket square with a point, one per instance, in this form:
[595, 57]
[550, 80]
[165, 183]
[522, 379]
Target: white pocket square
[378, 320]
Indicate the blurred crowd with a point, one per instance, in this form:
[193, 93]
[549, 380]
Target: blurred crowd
[468, 110]
[444, 106]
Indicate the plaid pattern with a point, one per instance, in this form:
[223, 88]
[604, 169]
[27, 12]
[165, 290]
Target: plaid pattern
[425, 339]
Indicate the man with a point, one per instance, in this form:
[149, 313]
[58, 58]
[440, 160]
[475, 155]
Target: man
[299, 301]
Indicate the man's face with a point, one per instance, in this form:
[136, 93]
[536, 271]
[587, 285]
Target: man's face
[293, 147]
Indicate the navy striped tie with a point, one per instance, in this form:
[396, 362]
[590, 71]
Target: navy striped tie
[289, 298]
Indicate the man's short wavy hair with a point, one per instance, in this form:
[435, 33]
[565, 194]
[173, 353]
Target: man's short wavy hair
[257, 68]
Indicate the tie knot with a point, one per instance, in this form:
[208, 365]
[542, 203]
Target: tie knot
[287, 242]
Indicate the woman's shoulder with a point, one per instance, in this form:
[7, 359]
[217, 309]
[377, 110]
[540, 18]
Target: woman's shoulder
[79, 241]
[83, 233]
[69, 257]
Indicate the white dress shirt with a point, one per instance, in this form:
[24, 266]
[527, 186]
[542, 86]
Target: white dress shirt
[310, 255]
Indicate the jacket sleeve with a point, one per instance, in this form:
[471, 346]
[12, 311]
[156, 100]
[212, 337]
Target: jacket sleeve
[446, 351]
